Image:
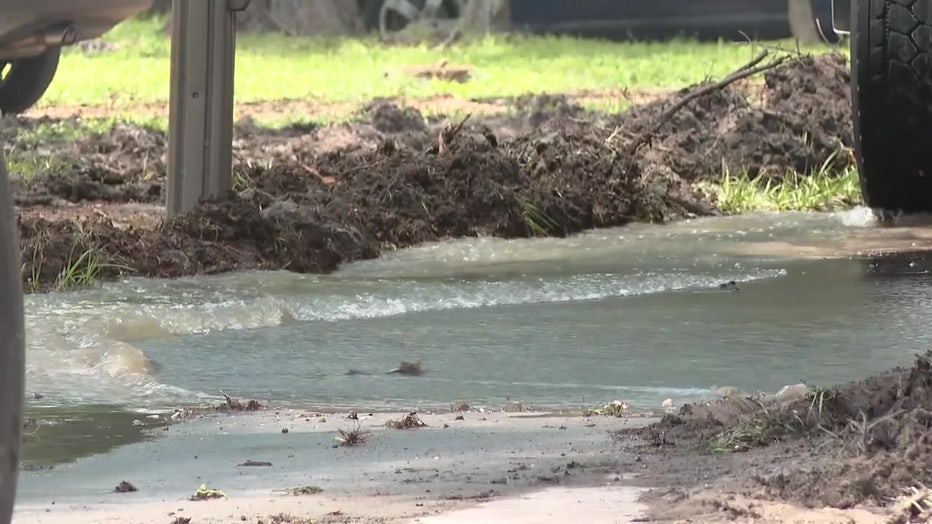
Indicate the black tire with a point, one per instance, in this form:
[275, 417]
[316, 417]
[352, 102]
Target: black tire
[891, 68]
[12, 361]
[26, 81]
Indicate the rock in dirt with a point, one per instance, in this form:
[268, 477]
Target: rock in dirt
[863, 442]
[125, 487]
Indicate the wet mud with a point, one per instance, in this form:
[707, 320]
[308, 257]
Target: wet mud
[865, 443]
[309, 198]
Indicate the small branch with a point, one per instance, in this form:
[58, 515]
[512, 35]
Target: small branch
[447, 135]
[750, 69]
[329, 180]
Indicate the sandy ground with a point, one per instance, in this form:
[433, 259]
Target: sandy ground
[502, 467]
[486, 467]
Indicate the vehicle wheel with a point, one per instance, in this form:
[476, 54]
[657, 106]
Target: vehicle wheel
[390, 16]
[891, 68]
[23, 81]
[11, 349]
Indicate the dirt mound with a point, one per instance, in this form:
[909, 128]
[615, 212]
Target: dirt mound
[871, 438]
[308, 198]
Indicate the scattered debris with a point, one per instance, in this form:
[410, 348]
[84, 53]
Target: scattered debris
[233, 404]
[409, 421]
[731, 285]
[914, 505]
[181, 520]
[284, 518]
[408, 368]
[255, 463]
[354, 437]
[459, 405]
[441, 70]
[305, 490]
[616, 408]
[513, 407]
[205, 493]
[124, 487]
[871, 437]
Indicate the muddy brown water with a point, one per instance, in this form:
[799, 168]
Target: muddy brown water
[634, 314]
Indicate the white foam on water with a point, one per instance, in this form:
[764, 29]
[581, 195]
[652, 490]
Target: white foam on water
[857, 217]
[85, 346]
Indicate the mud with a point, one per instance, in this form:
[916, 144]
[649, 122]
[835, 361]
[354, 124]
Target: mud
[308, 198]
[858, 444]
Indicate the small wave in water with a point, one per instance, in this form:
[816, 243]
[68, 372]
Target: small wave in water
[85, 347]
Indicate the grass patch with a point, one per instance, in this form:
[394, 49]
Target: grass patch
[80, 271]
[274, 67]
[822, 190]
[304, 490]
[205, 493]
[766, 426]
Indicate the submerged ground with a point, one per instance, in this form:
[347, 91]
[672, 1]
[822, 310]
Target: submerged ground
[310, 197]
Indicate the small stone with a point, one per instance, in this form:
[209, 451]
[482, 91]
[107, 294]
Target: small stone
[284, 430]
[125, 487]
[793, 392]
[459, 417]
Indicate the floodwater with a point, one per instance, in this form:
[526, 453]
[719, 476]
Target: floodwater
[634, 314]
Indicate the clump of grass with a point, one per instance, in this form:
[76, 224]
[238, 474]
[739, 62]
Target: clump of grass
[765, 426]
[305, 490]
[822, 190]
[759, 430]
[354, 437]
[615, 408]
[81, 271]
[205, 493]
[537, 222]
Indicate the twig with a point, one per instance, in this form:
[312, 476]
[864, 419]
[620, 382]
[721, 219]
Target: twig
[312, 171]
[448, 134]
[750, 69]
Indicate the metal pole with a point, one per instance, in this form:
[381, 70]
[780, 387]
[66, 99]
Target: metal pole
[12, 358]
[200, 113]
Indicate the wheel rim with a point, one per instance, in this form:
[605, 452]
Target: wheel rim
[395, 15]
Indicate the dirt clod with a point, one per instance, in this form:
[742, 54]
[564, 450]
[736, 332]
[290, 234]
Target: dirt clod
[409, 421]
[125, 487]
[872, 438]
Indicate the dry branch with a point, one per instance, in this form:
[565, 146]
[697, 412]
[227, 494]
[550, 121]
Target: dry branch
[750, 69]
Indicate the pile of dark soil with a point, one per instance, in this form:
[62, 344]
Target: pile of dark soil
[309, 198]
[858, 443]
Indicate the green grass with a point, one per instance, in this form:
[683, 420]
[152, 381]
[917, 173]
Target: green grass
[272, 67]
[823, 190]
